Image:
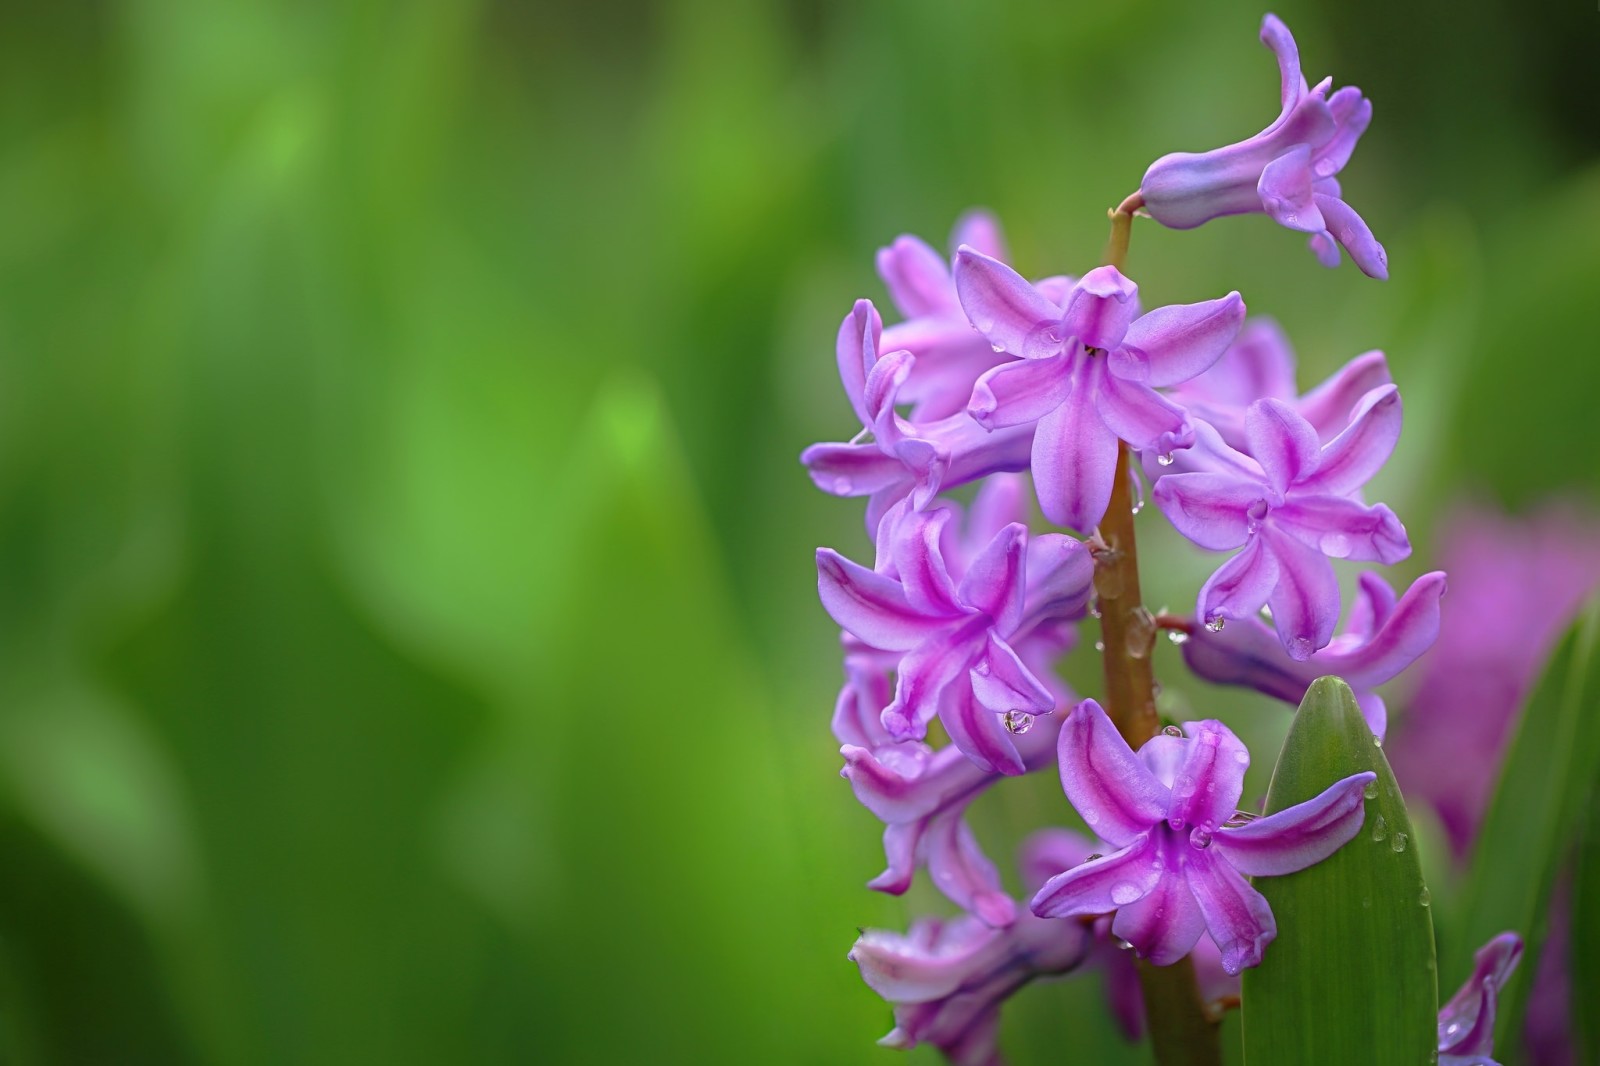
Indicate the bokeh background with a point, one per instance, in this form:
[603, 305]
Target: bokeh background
[408, 646]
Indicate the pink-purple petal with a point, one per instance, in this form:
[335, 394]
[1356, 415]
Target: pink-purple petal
[1305, 600]
[1102, 885]
[1298, 836]
[1237, 917]
[919, 563]
[1100, 308]
[869, 605]
[1286, 194]
[1211, 509]
[965, 875]
[1143, 417]
[1354, 236]
[1173, 344]
[1210, 780]
[995, 581]
[917, 277]
[1109, 786]
[857, 350]
[977, 732]
[1282, 442]
[1005, 308]
[926, 671]
[1016, 393]
[1328, 407]
[1359, 451]
[1075, 458]
[1342, 528]
[1166, 924]
[1242, 585]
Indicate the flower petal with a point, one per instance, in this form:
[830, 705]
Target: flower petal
[1060, 580]
[982, 231]
[1175, 343]
[869, 605]
[853, 469]
[1298, 836]
[1276, 36]
[1019, 392]
[1241, 585]
[1466, 1023]
[995, 582]
[1005, 308]
[1211, 509]
[1100, 308]
[964, 873]
[1352, 233]
[1109, 786]
[1143, 417]
[1237, 917]
[1102, 885]
[925, 672]
[919, 563]
[977, 732]
[917, 277]
[1342, 528]
[1359, 451]
[856, 351]
[1305, 601]
[1166, 924]
[1286, 194]
[1002, 683]
[1048, 852]
[1075, 458]
[1282, 442]
[900, 848]
[1207, 786]
[1328, 407]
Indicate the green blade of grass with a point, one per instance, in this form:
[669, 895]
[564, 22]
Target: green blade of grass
[1351, 975]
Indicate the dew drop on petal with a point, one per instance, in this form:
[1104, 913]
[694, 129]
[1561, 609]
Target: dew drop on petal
[1241, 757]
[1094, 607]
[1173, 731]
[998, 347]
[1379, 829]
[1091, 817]
[1018, 722]
[1399, 841]
[1200, 837]
[1216, 624]
[1165, 459]
[1093, 856]
[842, 486]
[1124, 893]
[982, 669]
[1335, 545]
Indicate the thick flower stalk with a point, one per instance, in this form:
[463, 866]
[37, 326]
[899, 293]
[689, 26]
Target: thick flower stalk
[1287, 171]
[1289, 506]
[1179, 868]
[1085, 373]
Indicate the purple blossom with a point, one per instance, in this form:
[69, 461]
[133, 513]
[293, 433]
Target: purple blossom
[1259, 365]
[950, 355]
[958, 633]
[948, 978]
[1466, 1023]
[903, 459]
[1180, 865]
[1286, 171]
[1086, 371]
[1382, 637]
[1288, 505]
[1527, 576]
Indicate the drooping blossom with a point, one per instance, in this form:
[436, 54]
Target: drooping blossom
[947, 979]
[1286, 171]
[1180, 865]
[922, 795]
[1466, 1023]
[950, 354]
[903, 459]
[1515, 584]
[957, 632]
[1382, 637]
[1288, 505]
[1259, 365]
[1085, 372]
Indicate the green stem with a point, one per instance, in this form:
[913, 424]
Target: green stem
[1182, 1031]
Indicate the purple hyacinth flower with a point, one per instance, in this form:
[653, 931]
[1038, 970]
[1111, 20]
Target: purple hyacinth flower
[1288, 505]
[958, 633]
[1180, 867]
[922, 794]
[903, 459]
[950, 356]
[1529, 574]
[1382, 637]
[1260, 365]
[1286, 171]
[1085, 372]
[1466, 1023]
[948, 979]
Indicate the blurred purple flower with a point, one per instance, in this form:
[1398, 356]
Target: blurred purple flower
[1381, 638]
[947, 979]
[1086, 371]
[958, 633]
[1466, 1023]
[903, 459]
[1515, 583]
[1180, 866]
[1288, 505]
[1286, 171]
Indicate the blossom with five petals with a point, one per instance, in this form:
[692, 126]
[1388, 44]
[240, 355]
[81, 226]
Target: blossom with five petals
[1180, 865]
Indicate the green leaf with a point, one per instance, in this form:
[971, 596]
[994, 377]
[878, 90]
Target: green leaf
[1549, 773]
[1585, 946]
[1350, 977]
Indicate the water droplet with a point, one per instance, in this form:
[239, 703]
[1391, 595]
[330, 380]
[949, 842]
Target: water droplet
[1165, 459]
[1093, 856]
[1426, 897]
[1301, 648]
[1177, 636]
[998, 347]
[1200, 837]
[1379, 829]
[1255, 514]
[983, 668]
[1241, 757]
[1377, 741]
[1216, 624]
[1091, 818]
[1099, 645]
[1335, 545]
[1141, 632]
[1399, 841]
[1018, 722]
[842, 486]
[1123, 945]
[1371, 791]
[1138, 505]
[1094, 607]
[1107, 577]
[1172, 731]
[1124, 893]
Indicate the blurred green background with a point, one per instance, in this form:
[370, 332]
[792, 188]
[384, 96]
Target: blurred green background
[408, 645]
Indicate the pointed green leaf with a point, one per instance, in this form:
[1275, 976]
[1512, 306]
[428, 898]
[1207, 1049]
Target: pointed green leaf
[1549, 773]
[1350, 977]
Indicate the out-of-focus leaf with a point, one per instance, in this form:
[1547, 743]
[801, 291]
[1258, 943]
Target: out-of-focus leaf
[1549, 773]
[1351, 976]
[1585, 947]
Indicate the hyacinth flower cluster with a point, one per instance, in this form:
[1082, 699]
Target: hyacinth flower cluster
[1066, 393]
